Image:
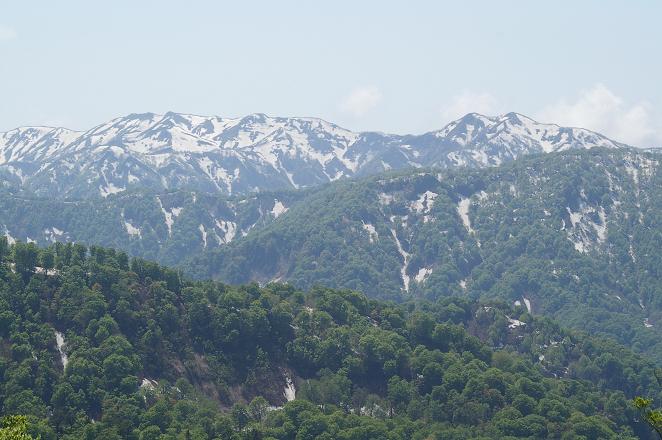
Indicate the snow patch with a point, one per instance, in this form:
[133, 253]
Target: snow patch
[514, 323]
[109, 189]
[586, 233]
[633, 172]
[132, 230]
[405, 257]
[278, 208]
[53, 234]
[59, 341]
[372, 232]
[10, 239]
[528, 304]
[424, 202]
[290, 391]
[422, 274]
[463, 210]
[168, 217]
[148, 384]
[601, 228]
[228, 228]
[203, 231]
[385, 199]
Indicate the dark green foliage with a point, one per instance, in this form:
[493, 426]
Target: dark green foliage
[152, 355]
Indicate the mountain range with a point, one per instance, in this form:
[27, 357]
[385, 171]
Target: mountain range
[257, 152]
[472, 247]
[571, 235]
[473, 221]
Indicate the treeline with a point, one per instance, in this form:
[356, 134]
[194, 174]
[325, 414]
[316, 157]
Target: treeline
[143, 353]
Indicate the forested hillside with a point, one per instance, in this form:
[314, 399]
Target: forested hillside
[96, 345]
[571, 235]
[574, 236]
[168, 227]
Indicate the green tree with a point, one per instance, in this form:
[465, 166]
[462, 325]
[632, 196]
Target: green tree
[258, 408]
[4, 248]
[14, 428]
[47, 259]
[25, 258]
[653, 417]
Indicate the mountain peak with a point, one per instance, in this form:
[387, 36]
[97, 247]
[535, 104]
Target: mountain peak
[255, 118]
[258, 152]
[140, 116]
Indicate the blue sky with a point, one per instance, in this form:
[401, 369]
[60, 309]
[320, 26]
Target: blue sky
[404, 67]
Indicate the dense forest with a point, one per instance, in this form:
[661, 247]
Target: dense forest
[167, 227]
[94, 344]
[573, 235]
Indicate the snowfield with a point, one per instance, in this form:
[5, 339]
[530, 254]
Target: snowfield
[259, 152]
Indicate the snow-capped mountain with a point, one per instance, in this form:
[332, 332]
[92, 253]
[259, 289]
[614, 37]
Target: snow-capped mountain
[257, 152]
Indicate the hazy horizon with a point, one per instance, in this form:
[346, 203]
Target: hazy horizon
[374, 66]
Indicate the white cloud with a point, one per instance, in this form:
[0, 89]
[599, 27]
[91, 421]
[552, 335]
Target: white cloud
[7, 33]
[601, 110]
[469, 102]
[361, 100]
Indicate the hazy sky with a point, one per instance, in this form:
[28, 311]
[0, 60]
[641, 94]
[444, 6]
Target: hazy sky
[404, 67]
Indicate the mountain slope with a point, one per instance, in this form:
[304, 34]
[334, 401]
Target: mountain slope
[168, 227]
[95, 346]
[573, 235]
[257, 152]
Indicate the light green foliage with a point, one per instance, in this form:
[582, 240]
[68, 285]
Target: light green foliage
[14, 428]
[652, 416]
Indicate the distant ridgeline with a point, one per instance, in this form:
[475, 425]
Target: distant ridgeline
[257, 152]
[96, 345]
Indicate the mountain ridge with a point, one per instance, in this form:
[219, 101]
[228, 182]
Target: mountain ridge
[257, 152]
[573, 233]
